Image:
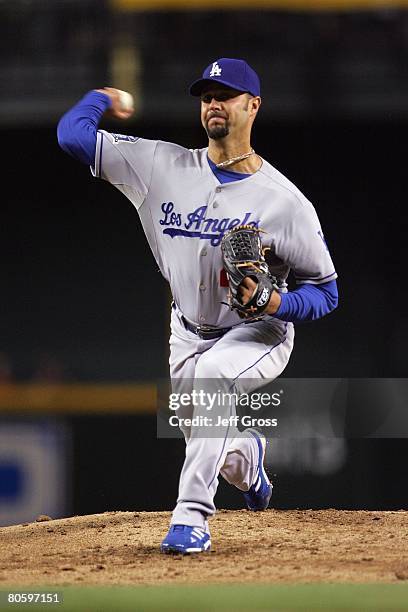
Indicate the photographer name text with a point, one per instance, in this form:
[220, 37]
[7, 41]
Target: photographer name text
[231, 421]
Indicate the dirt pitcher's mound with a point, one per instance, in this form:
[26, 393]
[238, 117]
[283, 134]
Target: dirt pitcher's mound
[272, 546]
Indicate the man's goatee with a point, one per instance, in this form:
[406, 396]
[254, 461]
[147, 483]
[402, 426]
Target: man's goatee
[215, 133]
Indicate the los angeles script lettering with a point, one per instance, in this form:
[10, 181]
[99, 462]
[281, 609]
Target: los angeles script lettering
[197, 221]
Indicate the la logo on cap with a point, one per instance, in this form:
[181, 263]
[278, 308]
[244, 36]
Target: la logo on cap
[215, 70]
[233, 73]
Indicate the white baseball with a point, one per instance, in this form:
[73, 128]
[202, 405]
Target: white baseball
[126, 100]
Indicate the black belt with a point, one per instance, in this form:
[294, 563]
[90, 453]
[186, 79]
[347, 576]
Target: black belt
[205, 332]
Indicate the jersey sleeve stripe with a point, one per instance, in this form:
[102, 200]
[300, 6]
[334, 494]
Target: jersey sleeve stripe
[316, 280]
[100, 157]
[96, 169]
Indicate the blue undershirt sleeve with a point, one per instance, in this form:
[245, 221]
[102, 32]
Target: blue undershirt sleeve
[77, 129]
[308, 302]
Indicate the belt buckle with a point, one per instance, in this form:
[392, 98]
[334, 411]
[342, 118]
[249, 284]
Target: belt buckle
[202, 330]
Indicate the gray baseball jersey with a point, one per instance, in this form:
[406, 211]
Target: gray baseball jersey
[185, 211]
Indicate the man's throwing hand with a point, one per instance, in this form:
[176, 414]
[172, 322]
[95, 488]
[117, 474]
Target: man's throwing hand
[121, 103]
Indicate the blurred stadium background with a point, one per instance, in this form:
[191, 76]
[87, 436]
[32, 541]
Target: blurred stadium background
[84, 317]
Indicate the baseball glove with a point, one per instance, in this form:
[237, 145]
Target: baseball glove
[243, 256]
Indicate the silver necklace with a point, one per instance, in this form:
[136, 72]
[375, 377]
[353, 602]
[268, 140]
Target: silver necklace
[234, 160]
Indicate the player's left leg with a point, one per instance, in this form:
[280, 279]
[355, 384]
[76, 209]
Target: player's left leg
[243, 465]
[243, 360]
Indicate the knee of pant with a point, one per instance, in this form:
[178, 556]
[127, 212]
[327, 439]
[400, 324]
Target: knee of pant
[210, 366]
[207, 459]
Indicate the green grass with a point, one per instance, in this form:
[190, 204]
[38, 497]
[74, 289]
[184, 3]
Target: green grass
[306, 597]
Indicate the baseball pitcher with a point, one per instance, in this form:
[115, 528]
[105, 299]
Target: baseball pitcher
[225, 228]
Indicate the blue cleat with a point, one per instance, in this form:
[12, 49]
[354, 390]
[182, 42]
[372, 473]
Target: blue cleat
[259, 494]
[185, 539]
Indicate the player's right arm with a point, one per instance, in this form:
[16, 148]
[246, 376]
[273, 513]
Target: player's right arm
[77, 129]
[125, 161]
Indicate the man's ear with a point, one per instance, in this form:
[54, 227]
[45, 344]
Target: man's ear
[255, 103]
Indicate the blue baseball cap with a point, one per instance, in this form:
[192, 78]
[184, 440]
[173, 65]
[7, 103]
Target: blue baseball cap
[235, 73]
